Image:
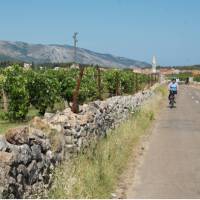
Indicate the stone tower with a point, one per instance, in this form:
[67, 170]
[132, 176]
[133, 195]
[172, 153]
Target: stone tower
[154, 64]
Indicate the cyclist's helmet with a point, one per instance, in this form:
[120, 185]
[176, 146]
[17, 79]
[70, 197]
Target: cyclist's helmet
[173, 79]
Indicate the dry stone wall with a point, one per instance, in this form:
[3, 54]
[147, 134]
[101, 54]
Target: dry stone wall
[29, 154]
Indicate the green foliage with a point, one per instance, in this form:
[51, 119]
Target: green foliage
[143, 81]
[44, 90]
[47, 89]
[67, 80]
[197, 78]
[111, 77]
[127, 82]
[2, 80]
[88, 89]
[181, 76]
[15, 87]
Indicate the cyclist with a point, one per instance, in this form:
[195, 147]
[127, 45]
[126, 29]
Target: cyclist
[173, 88]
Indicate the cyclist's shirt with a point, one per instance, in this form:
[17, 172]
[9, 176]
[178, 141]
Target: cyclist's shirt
[173, 87]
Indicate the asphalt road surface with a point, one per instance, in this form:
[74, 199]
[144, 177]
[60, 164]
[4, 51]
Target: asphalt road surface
[171, 165]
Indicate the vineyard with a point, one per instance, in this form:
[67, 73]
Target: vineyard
[184, 75]
[50, 90]
[197, 78]
[180, 76]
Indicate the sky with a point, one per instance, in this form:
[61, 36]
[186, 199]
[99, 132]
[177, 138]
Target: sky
[137, 29]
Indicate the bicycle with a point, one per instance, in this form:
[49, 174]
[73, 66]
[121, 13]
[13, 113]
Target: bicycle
[171, 99]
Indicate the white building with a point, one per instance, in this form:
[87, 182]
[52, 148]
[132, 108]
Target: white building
[154, 64]
[56, 68]
[75, 66]
[27, 65]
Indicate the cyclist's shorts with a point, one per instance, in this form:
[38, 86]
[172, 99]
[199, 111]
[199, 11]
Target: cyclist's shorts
[173, 92]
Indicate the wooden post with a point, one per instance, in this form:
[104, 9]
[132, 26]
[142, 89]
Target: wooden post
[153, 78]
[5, 101]
[117, 92]
[149, 80]
[136, 83]
[75, 107]
[133, 83]
[99, 82]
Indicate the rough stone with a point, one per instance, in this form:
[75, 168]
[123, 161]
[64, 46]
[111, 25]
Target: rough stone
[21, 169]
[67, 126]
[5, 161]
[40, 165]
[39, 123]
[69, 148]
[13, 172]
[79, 142]
[20, 178]
[23, 154]
[48, 115]
[3, 144]
[6, 158]
[68, 139]
[49, 154]
[12, 181]
[36, 133]
[45, 145]
[17, 136]
[36, 152]
[32, 172]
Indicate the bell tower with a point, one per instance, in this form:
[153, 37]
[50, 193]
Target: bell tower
[154, 64]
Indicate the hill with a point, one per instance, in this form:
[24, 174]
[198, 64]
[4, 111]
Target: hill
[53, 53]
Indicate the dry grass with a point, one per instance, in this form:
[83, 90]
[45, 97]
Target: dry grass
[95, 174]
[6, 124]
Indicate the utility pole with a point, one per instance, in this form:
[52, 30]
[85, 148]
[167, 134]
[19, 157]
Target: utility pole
[75, 45]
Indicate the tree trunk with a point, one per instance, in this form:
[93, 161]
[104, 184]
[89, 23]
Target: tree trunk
[76, 91]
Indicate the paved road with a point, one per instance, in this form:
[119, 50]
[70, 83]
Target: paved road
[171, 166]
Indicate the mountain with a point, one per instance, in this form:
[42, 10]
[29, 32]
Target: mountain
[53, 53]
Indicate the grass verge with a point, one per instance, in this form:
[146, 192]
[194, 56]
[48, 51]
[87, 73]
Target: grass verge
[6, 124]
[95, 174]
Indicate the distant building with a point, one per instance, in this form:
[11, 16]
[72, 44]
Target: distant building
[27, 65]
[176, 71]
[147, 71]
[154, 64]
[168, 71]
[137, 69]
[195, 72]
[75, 66]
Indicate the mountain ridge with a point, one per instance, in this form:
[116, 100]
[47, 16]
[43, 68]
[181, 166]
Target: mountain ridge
[57, 53]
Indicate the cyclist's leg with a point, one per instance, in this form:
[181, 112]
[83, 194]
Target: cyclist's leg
[175, 93]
